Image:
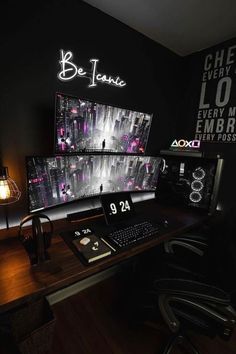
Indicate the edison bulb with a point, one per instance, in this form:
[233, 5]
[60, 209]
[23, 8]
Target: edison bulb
[5, 192]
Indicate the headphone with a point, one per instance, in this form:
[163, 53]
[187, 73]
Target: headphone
[37, 243]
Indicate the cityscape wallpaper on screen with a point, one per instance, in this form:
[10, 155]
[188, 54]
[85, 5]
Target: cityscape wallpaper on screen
[61, 179]
[87, 126]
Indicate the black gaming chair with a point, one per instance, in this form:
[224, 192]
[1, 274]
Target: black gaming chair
[187, 255]
[190, 294]
[186, 304]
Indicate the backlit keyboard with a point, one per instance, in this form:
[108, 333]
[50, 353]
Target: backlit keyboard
[133, 234]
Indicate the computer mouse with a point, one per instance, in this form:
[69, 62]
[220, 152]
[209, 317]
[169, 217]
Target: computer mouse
[165, 223]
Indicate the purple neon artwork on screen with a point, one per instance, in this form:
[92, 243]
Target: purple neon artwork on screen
[57, 180]
[87, 126]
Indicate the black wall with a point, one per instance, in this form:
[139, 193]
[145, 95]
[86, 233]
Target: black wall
[31, 37]
[194, 69]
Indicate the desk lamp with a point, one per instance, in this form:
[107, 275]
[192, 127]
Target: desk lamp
[9, 192]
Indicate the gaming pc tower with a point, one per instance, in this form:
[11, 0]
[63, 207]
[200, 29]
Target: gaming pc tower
[189, 180]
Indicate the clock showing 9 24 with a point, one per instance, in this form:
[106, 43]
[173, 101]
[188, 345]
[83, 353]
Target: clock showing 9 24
[117, 207]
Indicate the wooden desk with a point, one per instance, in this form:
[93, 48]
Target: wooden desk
[19, 283]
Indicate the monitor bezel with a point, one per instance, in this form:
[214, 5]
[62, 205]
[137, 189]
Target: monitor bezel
[83, 198]
[101, 103]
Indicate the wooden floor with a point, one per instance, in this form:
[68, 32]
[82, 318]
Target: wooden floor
[96, 321]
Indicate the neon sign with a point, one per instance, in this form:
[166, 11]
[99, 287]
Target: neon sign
[69, 71]
[193, 144]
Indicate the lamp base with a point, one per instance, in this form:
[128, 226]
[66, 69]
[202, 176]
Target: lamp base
[6, 216]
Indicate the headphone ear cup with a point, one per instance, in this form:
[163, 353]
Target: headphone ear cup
[29, 245]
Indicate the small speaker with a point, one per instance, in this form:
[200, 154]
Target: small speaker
[191, 181]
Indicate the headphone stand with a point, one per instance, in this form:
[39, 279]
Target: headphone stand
[37, 243]
[47, 266]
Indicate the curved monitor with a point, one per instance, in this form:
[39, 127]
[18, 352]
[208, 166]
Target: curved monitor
[57, 180]
[86, 126]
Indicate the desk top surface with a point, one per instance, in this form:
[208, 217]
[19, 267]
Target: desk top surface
[19, 282]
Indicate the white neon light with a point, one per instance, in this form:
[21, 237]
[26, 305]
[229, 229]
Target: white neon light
[94, 68]
[69, 71]
[182, 143]
[67, 66]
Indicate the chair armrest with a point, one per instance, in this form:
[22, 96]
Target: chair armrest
[195, 236]
[165, 301]
[192, 289]
[195, 242]
[168, 246]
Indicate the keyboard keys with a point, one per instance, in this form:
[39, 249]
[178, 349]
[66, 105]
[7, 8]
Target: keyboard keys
[133, 234]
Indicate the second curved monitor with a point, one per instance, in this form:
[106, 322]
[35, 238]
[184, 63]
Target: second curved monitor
[86, 126]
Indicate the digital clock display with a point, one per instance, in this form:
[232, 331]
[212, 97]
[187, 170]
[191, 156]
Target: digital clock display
[117, 207]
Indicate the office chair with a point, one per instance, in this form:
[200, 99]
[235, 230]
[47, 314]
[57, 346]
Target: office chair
[188, 249]
[207, 253]
[186, 304]
[186, 301]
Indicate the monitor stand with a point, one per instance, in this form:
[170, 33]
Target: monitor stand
[86, 214]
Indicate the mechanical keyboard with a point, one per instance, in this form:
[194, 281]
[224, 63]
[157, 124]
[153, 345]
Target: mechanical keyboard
[133, 234]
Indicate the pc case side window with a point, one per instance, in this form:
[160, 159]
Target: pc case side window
[189, 181]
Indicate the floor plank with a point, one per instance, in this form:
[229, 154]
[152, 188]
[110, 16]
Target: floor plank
[96, 320]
